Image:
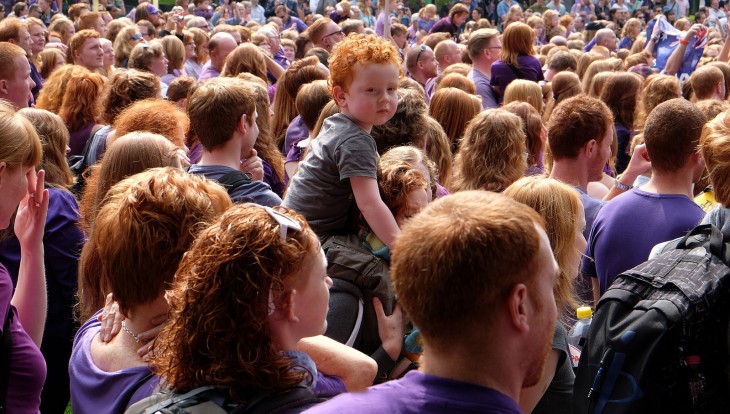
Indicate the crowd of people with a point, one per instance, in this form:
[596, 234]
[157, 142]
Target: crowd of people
[266, 205]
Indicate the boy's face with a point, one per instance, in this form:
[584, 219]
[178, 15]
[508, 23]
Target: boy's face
[372, 97]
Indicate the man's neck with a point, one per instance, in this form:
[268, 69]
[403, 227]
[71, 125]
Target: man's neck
[570, 171]
[420, 78]
[228, 155]
[677, 182]
[483, 66]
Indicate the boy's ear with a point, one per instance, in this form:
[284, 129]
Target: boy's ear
[338, 94]
[241, 126]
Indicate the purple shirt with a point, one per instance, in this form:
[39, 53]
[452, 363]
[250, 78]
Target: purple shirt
[297, 23]
[206, 13]
[629, 226]
[96, 391]
[421, 393]
[503, 74]
[27, 366]
[295, 132]
[272, 179]
[380, 24]
[208, 72]
[78, 138]
[444, 25]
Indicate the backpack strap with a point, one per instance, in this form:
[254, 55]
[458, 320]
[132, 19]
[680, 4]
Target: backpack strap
[232, 180]
[176, 399]
[137, 385]
[300, 396]
[6, 349]
[349, 287]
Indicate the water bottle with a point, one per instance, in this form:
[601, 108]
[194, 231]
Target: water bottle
[579, 332]
[696, 379]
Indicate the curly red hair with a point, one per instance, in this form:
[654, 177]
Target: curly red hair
[363, 49]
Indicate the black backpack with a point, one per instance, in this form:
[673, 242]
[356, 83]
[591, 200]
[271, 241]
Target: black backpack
[209, 400]
[649, 321]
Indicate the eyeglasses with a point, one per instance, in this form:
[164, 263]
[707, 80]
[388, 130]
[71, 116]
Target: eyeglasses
[339, 32]
[423, 47]
[285, 222]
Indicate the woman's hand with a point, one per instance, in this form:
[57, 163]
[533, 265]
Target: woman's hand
[30, 220]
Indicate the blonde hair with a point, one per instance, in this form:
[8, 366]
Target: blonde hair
[597, 84]
[174, 50]
[492, 153]
[522, 90]
[715, 148]
[54, 137]
[593, 69]
[19, 141]
[560, 206]
[438, 149]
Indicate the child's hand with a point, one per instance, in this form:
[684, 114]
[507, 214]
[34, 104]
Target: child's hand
[253, 167]
[390, 328]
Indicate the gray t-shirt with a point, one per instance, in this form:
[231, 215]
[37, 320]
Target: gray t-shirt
[257, 192]
[559, 395]
[321, 191]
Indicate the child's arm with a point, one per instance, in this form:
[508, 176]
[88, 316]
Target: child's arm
[376, 213]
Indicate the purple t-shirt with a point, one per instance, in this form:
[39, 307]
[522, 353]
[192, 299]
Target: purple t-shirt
[484, 88]
[78, 138]
[208, 72]
[295, 132]
[27, 366]
[95, 391]
[629, 226]
[421, 393]
[503, 74]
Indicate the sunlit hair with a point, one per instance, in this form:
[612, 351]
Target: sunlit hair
[521, 90]
[532, 126]
[216, 108]
[63, 27]
[406, 127]
[19, 142]
[75, 10]
[576, 121]
[299, 73]
[246, 58]
[704, 81]
[453, 109]
[711, 108]
[158, 116]
[657, 89]
[174, 50]
[639, 44]
[200, 37]
[124, 87]
[594, 69]
[54, 88]
[144, 54]
[127, 156]
[88, 21]
[264, 144]
[413, 156]
[310, 100]
[458, 81]
[547, 19]
[564, 85]
[628, 30]
[48, 61]
[79, 105]
[438, 149]
[123, 45]
[444, 287]
[141, 12]
[598, 83]
[560, 207]
[77, 43]
[9, 52]
[363, 49]
[144, 227]
[725, 68]
[10, 29]
[518, 39]
[492, 153]
[637, 59]
[620, 94]
[218, 333]
[115, 26]
[672, 134]
[396, 180]
[180, 88]
[715, 148]
[54, 137]
[316, 30]
[584, 61]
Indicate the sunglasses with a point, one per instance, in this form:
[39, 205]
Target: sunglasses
[137, 36]
[333, 33]
[423, 47]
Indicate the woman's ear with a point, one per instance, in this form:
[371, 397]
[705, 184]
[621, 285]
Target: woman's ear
[286, 306]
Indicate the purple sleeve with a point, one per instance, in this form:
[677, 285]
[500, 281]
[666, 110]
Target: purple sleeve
[380, 24]
[295, 152]
[300, 26]
[329, 385]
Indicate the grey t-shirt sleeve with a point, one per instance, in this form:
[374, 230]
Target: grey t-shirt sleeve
[357, 156]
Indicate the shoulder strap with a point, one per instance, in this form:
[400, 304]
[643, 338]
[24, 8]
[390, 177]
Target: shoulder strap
[300, 396]
[175, 399]
[232, 180]
[5, 354]
[349, 287]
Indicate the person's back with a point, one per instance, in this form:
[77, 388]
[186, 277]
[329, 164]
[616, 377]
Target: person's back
[464, 306]
[629, 226]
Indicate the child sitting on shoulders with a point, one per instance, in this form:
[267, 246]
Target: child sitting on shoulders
[340, 170]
